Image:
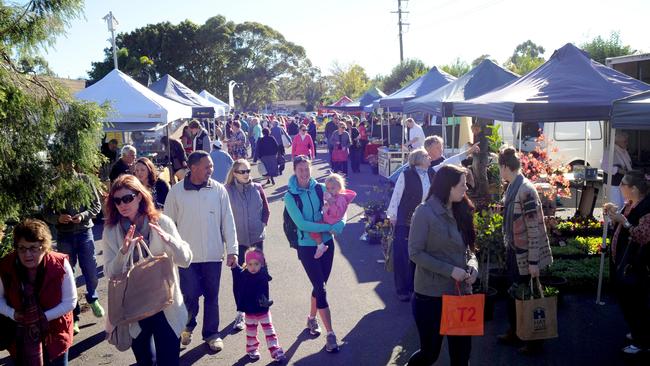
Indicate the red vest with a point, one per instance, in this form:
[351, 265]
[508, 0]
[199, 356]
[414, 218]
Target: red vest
[59, 335]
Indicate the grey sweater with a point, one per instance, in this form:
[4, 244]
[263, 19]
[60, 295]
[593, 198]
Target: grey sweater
[436, 247]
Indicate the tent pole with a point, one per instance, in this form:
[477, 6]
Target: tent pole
[453, 135]
[444, 132]
[608, 194]
[169, 157]
[388, 130]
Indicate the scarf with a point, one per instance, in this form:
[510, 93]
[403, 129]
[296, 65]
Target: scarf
[509, 209]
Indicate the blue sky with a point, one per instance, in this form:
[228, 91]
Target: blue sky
[365, 31]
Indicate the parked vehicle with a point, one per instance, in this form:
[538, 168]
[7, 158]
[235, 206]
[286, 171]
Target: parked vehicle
[568, 139]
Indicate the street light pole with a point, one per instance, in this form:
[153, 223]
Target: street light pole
[111, 22]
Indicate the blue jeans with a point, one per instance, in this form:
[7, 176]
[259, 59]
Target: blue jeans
[81, 247]
[403, 268]
[202, 279]
[167, 346]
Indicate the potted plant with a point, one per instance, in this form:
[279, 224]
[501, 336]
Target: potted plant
[491, 253]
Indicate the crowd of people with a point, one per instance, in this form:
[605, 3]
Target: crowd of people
[214, 212]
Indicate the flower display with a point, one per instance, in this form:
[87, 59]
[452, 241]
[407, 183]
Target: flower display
[539, 167]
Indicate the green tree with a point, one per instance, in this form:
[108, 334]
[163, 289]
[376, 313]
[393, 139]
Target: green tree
[480, 59]
[350, 80]
[600, 49]
[44, 131]
[457, 68]
[402, 74]
[208, 56]
[527, 57]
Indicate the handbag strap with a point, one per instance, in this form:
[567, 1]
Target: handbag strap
[539, 288]
[458, 288]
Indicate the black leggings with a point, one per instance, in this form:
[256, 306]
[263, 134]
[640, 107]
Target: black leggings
[427, 311]
[318, 270]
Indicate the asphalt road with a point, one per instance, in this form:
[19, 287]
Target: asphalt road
[373, 327]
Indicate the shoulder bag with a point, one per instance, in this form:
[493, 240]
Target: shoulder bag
[143, 289]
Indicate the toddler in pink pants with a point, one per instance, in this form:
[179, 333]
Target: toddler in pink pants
[335, 203]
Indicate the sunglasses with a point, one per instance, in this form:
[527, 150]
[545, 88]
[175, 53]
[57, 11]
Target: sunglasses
[303, 130]
[128, 198]
[244, 171]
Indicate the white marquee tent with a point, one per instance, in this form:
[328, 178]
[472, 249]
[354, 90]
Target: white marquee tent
[133, 106]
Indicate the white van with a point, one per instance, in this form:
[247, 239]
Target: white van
[568, 139]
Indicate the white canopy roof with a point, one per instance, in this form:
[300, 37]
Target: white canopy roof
[205, 94]
[134, 106]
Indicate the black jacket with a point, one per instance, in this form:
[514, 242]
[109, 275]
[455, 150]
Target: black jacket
[252, 290]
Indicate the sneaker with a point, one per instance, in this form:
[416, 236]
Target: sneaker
[186, 338]
[216, 344]
[240, 324]
[313, 326]
[509, 338]
[320, 250]
[331, 345]
[75, 328]
[531, 349]
[254, 355]
[632, 350]
[98, 310]
[279, 357]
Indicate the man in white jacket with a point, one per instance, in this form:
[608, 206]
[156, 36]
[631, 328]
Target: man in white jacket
[201, 210]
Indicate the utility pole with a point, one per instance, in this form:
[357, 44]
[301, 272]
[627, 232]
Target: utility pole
[400, 23]
[112, 23]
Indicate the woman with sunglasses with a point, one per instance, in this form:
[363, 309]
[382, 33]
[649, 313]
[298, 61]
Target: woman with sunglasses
[38, 294]
[302, 144]
[131, 217]
[268, 150]
[147, 174]
[304, 189]
[251, 212]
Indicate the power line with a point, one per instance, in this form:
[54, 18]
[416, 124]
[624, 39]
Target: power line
[400, 24]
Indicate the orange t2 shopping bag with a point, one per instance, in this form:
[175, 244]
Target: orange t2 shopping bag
[462, 315]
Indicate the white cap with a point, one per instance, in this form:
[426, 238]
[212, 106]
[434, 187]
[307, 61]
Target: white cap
[217, 144]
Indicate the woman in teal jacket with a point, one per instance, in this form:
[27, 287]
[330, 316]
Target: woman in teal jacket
[303, 187]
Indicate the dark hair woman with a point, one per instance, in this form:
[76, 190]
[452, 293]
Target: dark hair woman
[147, 174]
[304, 204]
[237, 142]
[527, 250]
[631, 257]
[38, 293]
[268, 151]
[132, 217]
[441, 245]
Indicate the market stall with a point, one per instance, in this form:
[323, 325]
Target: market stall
[568, 87]
[390, 160]
[137, 115]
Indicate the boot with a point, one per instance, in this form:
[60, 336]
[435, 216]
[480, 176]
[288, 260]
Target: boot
[509, 338]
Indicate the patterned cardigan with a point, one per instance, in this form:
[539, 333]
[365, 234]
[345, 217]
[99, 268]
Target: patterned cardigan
[530, 241]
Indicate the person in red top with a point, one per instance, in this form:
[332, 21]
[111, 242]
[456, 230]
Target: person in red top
[302, 144]
[38, 293]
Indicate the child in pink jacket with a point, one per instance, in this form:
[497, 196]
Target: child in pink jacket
[302, 144]
[335, 203]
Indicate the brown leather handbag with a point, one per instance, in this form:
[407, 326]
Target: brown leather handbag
[143, 289]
